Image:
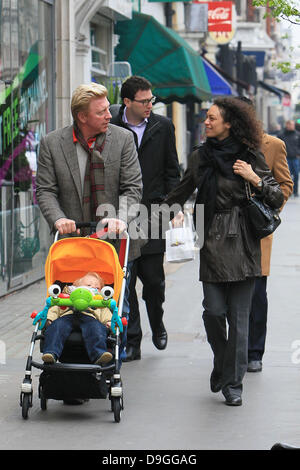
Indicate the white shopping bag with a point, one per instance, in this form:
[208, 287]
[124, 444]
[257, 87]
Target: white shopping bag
[180, 242]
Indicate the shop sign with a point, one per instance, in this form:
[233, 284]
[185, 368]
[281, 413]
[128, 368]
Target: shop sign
[219, 16]
[20, 104]
[221, 21]
[286, 100]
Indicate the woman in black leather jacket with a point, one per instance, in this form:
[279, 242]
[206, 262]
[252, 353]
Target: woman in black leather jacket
[230, 256]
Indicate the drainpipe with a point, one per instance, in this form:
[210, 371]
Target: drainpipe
[168, 14]
[239, 66]
[177, 109]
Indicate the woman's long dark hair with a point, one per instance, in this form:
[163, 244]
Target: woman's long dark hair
[245, 126]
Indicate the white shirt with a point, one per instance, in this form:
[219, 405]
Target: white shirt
[139, 129]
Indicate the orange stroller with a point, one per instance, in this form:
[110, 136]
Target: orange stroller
[74, 376]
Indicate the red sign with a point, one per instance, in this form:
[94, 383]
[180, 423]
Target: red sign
[286, 100]
[219, 15]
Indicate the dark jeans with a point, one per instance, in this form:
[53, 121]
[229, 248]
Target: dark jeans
[150, 270]
[228, 302]
[94, 335]
[258, 320]
[294, 170]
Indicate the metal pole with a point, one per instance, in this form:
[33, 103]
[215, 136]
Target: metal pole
[239, 65]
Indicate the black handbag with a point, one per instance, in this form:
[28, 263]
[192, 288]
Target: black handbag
[261, 219]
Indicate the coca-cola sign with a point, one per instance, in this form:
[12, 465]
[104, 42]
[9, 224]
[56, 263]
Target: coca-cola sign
[219, 15]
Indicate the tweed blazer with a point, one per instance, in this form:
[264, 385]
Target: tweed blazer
[274, 151]
[58, 183]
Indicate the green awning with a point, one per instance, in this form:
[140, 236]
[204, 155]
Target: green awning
[159, 54]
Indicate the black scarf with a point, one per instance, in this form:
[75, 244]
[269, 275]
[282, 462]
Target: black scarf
[216, 157]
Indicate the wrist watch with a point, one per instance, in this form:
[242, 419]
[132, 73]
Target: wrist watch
[259, 184]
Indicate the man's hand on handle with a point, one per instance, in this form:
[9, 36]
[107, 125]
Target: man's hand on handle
[65, 226]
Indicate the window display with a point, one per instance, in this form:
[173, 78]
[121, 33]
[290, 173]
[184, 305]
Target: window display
[26, 114]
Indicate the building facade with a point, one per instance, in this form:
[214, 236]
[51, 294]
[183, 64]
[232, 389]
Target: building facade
[49, 47]
[27, 112]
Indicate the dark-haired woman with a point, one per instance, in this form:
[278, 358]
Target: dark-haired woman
[230, 256]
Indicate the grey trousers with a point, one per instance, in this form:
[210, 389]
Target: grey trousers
[228, 302]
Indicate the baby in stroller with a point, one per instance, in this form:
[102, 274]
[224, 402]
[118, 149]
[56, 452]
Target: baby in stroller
[94, 324]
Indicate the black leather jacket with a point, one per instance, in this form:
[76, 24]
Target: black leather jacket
[229, 252]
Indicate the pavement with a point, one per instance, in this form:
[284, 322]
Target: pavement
[168, 403]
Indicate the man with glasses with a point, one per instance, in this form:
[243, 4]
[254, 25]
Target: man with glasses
[155, 142]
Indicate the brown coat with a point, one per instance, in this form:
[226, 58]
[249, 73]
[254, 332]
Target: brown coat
[275, 155]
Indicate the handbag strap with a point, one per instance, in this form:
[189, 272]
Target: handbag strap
[248, 189]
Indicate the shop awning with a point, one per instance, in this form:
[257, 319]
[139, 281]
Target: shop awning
[259, 57]
[218, 84]
[273, 89]
[159, 54]
[228, 77]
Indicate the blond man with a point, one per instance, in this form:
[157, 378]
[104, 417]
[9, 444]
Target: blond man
[86, 165]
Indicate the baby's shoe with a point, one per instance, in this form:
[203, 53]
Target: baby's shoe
[49, 358]
[104, 358]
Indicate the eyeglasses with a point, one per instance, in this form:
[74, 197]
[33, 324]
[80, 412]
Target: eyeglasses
[146, 102]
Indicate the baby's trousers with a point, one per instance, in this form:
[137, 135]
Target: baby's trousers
[94, 335]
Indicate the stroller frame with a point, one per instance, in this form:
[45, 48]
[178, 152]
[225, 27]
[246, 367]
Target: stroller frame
[110, 373]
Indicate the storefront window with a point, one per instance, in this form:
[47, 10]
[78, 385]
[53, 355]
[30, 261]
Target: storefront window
[26, 115]
[100, 40]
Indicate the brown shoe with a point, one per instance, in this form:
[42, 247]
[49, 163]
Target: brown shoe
[104, 358]
[49, 358]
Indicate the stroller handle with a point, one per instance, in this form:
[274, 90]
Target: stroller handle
[92, 225]
[125, 239]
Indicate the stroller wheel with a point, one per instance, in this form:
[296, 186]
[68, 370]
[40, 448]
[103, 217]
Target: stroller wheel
[43, 401]
[26, 404]
[116, 404]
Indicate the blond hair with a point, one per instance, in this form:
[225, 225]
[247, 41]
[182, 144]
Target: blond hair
[83, 95]
[79, 281]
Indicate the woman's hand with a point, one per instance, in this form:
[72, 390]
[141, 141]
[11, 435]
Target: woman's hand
[178, 220]
[114, 225]
[244, 169]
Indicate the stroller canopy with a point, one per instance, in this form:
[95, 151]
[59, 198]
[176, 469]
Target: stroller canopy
[70, 258]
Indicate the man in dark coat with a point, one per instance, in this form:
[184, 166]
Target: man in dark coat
[291, 138]
[155, 141]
